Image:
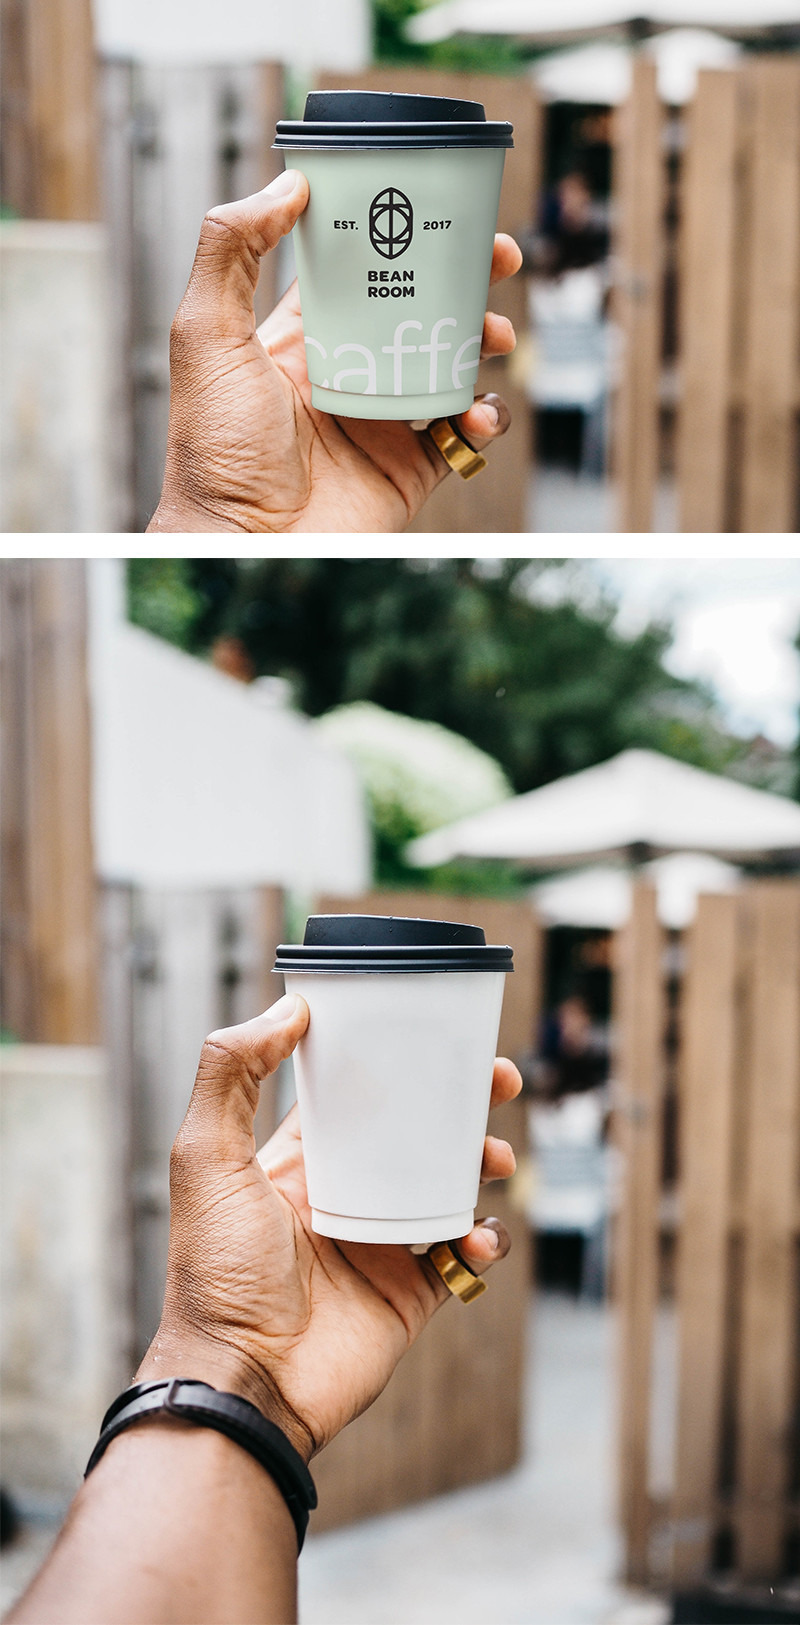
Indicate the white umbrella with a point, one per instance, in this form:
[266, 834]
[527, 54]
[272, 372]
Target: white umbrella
[602, 73]
[600, 898]
[552, 22]
[640, 804]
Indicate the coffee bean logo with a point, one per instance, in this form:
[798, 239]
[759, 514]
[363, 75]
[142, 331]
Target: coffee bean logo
[391, 223]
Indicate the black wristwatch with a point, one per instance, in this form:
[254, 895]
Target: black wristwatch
[240, 1421]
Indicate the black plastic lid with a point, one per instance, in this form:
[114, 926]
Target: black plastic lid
[350, 943]
[387, 120]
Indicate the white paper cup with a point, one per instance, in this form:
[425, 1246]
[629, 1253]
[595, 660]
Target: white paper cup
[394, 1074]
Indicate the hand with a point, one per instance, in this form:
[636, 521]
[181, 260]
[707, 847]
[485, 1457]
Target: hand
[246, 450]
[307, 1328]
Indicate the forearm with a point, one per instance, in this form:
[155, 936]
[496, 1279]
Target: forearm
[177, 1525]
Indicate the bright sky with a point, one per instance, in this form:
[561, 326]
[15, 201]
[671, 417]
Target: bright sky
[735, 620]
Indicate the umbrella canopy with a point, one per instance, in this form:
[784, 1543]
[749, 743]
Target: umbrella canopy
[602, 72]
[555, 22]
[600, 898]
[640, 804]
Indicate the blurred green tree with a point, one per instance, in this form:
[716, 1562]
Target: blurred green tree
[485, 53]
[520, 656]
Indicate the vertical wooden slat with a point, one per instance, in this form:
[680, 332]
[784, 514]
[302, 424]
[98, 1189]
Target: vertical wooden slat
[769, 474]
[115, 91]
[707, 262]
[706, 1109]
[49, 950]
[49, 124]
[639, 187]
[769, 1308]
[116, 936]
[189, 138]
[176, 966]
[640, 1013]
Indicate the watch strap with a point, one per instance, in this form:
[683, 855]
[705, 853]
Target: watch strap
[199, 1403]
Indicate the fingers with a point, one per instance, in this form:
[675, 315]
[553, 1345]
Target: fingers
[487, 1241]
[233, 239]
[499, 337]
[233, 1063]
[506, 1081]
[506, 258]
[499, 1161]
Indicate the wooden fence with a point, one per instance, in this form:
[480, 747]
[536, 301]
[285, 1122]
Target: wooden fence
[734, 1502]
[735, 193]
[177, 965]
[177, 140]
[48, 961]
[49, 115]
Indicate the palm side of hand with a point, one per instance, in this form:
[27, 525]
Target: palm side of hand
[323, 1322]
[276, 462]
[246, 448]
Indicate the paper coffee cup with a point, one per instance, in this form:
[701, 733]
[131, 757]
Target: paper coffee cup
[394, 249]
[394, 1072]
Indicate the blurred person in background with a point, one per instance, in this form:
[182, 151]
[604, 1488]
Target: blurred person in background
[572, 232]
[297, 1334]
[246, 450]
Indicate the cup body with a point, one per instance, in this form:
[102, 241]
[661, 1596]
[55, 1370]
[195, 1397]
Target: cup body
[394, 252]
[394, 1078]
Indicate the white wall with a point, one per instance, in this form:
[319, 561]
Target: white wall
[306, 33]
[55, 338]
[198, 780]
[60, 1361]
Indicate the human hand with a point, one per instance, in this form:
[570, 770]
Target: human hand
[246, 450]
[307, 1328]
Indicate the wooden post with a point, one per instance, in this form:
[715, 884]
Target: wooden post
[769, 473]
[707, 1077]
[706, 291]
[639, 188]
[497, 500]
[49, 123]
[769, 1287]
[48, 959]
[640, 1014]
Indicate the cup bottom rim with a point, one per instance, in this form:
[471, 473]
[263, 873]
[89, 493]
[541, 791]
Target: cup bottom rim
[397, 1232]
[390, 408]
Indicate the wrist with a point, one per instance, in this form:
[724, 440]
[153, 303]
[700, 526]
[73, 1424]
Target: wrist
[177, 514]
[231, 1371]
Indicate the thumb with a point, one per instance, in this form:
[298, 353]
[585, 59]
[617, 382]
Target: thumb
[234, 237]
[233, 1063]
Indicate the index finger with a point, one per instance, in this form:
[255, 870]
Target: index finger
[506, 257]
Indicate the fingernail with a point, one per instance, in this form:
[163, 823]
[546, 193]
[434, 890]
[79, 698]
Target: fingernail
[283, 184]
[284, 1008]
[489, 1226]
[501, 417]
[492, 413]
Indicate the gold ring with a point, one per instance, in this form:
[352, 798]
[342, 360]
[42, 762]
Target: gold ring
[456, 451]
[457, 1276]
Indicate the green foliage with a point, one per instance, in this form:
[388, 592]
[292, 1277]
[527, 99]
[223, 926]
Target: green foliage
[540, 680]
[486, 53]
[163, 599]
[417, 776]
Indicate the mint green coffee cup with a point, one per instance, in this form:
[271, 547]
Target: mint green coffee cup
[394, 249]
